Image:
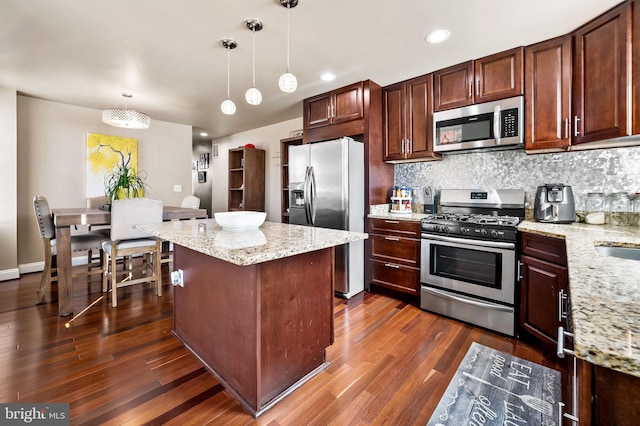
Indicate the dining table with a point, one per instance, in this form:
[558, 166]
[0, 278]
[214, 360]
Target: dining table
[64, 219]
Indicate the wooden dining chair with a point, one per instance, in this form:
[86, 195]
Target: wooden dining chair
[127, 241]
[81, 242]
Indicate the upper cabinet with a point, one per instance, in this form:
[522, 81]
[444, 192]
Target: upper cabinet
[580, 97]
[338, 106]
[408, 120]
[548, 87]
[493, 77]
[600, 77]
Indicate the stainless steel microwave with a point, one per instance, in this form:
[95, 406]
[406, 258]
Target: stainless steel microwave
[498, 124]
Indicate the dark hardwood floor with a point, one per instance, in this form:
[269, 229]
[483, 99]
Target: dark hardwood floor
[390, 362]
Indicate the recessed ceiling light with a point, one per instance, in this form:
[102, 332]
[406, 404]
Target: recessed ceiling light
[328, 76]
[437, 36]
[203, 134]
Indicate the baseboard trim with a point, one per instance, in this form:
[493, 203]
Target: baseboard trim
[9, 274]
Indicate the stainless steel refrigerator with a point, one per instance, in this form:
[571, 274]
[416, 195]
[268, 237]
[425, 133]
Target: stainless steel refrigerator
[326, 186]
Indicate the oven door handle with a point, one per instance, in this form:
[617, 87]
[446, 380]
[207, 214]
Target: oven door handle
[447, 295]
[479, 243]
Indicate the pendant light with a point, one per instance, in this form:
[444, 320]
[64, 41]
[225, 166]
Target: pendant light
[288, 82]
[253, 95]
[126, 118]
[227, 106]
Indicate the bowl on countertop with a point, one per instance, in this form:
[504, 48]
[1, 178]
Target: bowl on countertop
[240, 220]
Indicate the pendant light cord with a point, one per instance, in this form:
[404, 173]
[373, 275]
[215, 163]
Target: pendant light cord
[288, 34]
[254, 56]
[228, 73]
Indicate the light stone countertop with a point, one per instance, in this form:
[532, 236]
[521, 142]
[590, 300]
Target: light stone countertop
[604, 291]
[271, 241]
[381, 211]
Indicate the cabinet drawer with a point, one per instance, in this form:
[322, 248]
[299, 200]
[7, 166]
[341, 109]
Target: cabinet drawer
[395, 276]
[545, 248]
[389, 248]
[402, 228]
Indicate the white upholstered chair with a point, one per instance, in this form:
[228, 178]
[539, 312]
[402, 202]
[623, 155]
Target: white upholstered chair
[82, 242]
[191, 201]
[127, 241]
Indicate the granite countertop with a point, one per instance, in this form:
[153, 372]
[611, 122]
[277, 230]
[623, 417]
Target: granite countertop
[381, 211]
[271, 241]
[605, 292]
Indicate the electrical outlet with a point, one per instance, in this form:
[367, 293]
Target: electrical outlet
[177, 278]
[177, 188]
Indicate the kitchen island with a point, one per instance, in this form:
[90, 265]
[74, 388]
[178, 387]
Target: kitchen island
[255, 307]
[604, 291]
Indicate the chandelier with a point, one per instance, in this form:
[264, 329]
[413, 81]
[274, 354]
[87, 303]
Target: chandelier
[126, 118]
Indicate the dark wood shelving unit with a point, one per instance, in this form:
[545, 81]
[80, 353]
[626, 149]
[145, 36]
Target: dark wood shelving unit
[284, 174]
[246, 179]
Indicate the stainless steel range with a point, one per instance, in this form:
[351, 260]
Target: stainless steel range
[468, 257]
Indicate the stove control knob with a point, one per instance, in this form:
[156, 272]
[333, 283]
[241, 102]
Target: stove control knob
[436, 228]
[483, 232]
[494, 233]
[464, 230]
[445, 228]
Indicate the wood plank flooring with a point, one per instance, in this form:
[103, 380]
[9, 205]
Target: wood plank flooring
[390, 362]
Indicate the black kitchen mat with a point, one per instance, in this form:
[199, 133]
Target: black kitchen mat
[494, 388]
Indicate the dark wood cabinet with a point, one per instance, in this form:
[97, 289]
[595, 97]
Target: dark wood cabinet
[453, 86]
[601, 77]
[338, 106]
[499, 76]
[493, 77]
[616, 398]
[548, 99]
[246, 179]
[408, 120]
[543, 289]
[284, 175]
[395, 254]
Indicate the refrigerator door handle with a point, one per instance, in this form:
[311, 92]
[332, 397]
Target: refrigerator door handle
[312, 207]
[307, 196]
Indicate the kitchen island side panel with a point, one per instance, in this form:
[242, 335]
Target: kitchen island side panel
[261, 328]
[215, 315]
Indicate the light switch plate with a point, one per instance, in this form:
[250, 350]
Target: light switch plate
[177, 188]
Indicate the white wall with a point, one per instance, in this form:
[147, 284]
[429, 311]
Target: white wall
[9, 191]
[267, 138]
[51, 161]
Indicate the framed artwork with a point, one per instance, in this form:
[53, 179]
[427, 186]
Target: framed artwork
[202, 177]
[203, 162]
[104, 154]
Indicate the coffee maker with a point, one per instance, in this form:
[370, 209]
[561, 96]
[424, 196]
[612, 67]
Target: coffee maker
[554, 203]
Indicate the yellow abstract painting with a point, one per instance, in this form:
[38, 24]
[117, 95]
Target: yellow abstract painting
[104, 154]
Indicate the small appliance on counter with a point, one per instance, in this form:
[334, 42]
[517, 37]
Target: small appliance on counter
[554, 203]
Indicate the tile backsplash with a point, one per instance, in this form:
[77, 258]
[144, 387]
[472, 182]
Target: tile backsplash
[601, 170]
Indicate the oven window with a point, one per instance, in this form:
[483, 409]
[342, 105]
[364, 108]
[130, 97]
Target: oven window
[474, 266]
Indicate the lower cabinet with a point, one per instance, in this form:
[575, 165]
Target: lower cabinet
[395, 254]
[543, 289]
[593, 395]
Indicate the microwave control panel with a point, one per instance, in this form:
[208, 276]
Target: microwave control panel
[509, 121]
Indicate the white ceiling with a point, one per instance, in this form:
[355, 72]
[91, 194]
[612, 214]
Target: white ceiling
[167, 54]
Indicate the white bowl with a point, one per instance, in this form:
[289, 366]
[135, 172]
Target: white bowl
[240, 220]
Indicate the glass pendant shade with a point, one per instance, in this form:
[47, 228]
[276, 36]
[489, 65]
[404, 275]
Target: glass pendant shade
[253, 96]
[288, 82]
[126, 118]
[228, 107]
